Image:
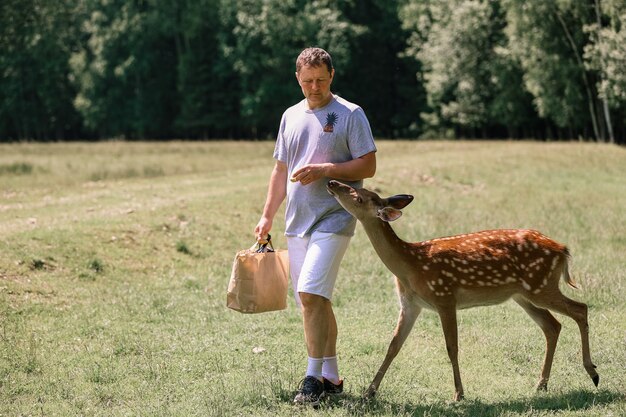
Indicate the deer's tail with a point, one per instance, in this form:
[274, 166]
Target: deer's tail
[565, 275]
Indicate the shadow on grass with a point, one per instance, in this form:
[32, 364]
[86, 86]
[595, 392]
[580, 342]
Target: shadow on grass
[571, 401]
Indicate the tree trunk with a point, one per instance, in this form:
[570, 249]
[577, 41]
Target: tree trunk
[605, 104]
[590, 100]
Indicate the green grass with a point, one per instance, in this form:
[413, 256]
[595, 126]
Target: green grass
[115, 257]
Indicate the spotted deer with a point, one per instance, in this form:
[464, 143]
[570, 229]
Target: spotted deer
[464, 271]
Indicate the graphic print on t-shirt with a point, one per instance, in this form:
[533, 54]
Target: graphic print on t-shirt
[331, 120]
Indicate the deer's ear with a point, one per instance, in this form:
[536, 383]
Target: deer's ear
[389, 214]
[399, 201]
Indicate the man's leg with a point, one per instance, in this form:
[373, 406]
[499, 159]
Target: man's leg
[320, 330]
[315, 286]
[330, 367]
[316, 320]
[331, 339]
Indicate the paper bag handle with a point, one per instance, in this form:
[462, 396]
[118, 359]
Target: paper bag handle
[262, 245]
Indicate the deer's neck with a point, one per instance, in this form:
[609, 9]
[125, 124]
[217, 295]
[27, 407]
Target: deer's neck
[396, 254]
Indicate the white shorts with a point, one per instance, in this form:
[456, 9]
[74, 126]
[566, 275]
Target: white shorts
[314, 262]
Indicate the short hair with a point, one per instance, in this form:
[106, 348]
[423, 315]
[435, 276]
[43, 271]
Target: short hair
[314, 57]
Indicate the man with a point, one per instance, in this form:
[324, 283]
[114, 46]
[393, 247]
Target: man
[322, 137]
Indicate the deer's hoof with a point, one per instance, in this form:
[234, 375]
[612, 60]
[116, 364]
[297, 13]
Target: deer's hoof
[542, 386]
[596, 379]
[370, 393]
[458, 396]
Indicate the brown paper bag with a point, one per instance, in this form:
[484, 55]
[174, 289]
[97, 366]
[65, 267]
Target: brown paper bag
[259, 281]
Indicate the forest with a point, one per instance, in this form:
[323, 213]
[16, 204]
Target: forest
[224, 69]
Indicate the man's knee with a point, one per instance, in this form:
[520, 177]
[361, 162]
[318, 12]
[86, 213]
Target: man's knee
[312, 300]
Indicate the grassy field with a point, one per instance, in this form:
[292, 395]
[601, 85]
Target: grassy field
[115, 257]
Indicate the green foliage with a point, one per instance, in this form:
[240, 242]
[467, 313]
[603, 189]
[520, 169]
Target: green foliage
[606, 53]
[126, 72]
[268, 36]
[36, 40]
[469, 77]
[551, 72]
[211, 69]
[182, 248]
[96, 265]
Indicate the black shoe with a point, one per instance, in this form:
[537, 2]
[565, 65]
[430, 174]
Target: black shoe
[332, 389]
[310, 392]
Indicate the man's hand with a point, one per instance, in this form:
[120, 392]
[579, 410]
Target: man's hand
[353, 170]
[262, 229]
[310, 173]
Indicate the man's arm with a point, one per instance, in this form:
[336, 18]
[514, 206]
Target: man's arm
[354, 170]
[276, 193]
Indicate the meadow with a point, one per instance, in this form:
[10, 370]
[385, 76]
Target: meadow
[115, 258]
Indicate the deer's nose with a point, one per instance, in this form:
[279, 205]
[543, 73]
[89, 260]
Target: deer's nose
[332, 183]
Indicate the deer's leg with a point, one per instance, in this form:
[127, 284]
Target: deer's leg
[406, 320]
[551, 329]
[450, 331]
[577, 311]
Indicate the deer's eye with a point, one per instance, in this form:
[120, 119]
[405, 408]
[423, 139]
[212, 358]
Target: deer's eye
[359, 200]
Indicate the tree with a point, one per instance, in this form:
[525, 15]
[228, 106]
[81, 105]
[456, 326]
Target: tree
[208, 86]
[471, 80]
[379, 76]
[606, 54]
[268, 36]
[551, 57]
[36, 40]
[126, 71]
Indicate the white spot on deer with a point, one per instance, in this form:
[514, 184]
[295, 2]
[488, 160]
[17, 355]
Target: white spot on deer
[425, 267]
[525, 285]
[505, 268]
[463, 281]
[537, 291]
[544, 282]
[546, 251]
[446, 260]
[440, 281]
[482, 284]
[510, 280]
[554, 262]
[430, 286]
[535, 245]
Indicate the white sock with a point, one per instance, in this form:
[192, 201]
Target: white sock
[330, 369]
[314, 367]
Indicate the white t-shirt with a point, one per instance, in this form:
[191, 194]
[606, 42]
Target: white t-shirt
[338, 132]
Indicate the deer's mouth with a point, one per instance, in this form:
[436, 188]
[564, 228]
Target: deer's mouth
[332, 184]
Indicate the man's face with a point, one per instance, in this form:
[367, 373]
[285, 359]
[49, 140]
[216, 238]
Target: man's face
[315, 83]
